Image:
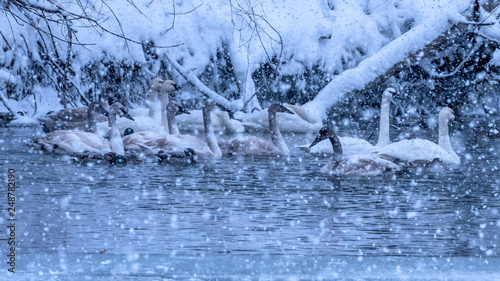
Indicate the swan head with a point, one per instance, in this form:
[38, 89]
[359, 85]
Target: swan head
[128, 131]
[388, 93]
[118, 109]
[446, 114]
[175, 108]
[97, 107]
[156, 84]
[279, 107]
[209, 105]
[169, 86]
[323, 134]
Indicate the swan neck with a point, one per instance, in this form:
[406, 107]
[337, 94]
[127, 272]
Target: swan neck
[152, 100]
[92, 123]
[172, 123]
[115, 138]
[444, 137]
[164, 118]
[337, 146]
[276, 136]
[210, 134]
[383, 133]
[226, 122]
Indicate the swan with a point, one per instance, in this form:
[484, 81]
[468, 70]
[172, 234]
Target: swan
[153, 106]
[255, 146]
[423, 150]
[70, 119]
[73, 141]
[351, 165]
[177, 145]
[352, 145]
[153, 110]
[136, 141]
[157, 123]
[299, 122]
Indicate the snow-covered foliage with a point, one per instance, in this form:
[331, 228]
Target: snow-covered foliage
[246, 51]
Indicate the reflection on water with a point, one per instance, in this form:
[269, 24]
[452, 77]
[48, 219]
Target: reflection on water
[253, 206]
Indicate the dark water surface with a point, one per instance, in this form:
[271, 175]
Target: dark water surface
[237, 218]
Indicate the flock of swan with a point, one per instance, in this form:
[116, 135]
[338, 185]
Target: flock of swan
[94, 133]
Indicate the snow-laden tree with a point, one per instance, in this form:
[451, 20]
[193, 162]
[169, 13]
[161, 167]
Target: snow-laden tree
[239, 53]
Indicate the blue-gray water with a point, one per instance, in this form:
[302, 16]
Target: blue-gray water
[252, 218]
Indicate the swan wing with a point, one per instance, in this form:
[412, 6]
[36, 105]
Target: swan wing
[350, 146]
[359, 165]
[416, 150]
[249, 146]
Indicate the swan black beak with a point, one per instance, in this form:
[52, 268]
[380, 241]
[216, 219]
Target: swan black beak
[286, 110]
[316, 141]
[104, 111]
[229, 112]
[126, 115]
[182, 110]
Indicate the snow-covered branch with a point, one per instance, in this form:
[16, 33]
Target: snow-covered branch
[377, 65]
[191, 78]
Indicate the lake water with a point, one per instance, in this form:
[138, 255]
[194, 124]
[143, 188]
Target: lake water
[238, 218]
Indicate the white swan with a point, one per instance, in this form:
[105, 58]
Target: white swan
[300, 122]
[424, 150]
[177, 145]
[255, 146]
[153, 105]
[352, 145]
[351, 165]
[157, 123]
[73, 141]
[137, 141]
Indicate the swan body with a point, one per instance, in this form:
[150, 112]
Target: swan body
[176, 145]
[220, 120]
[351, 165]
[424, 150]
[69, 119]
[255, 146]
[351, 145]
[72, 141]
[299, 122]
[137, 140]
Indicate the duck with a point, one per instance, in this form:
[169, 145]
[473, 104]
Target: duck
[158, 122]
[110, 158]
[256, 146]
[176, 145]
[351, 165]
[352, 145]
[74, 141]
[189, 157]
[413, 150]
[299, 122]
[136, 141]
